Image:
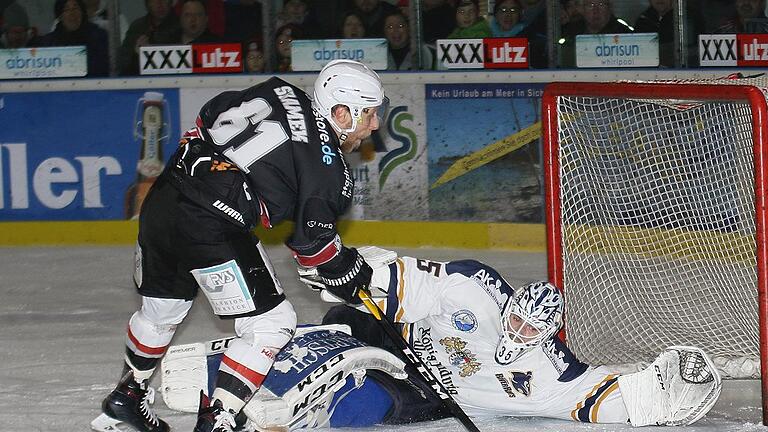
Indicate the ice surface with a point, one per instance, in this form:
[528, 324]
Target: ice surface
[62, 324]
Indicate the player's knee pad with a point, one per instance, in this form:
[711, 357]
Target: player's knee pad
[151, 328]
[249, 357]
[165, 311]
[272, 329]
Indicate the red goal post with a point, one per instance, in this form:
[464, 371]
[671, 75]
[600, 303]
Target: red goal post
[656, 219]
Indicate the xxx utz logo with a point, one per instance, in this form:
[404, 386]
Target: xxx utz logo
[402, 134]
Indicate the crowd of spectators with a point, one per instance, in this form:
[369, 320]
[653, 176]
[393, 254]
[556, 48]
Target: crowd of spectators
[169, 22]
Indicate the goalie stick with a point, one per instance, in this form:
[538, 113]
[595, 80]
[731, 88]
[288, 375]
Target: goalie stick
[413, 360]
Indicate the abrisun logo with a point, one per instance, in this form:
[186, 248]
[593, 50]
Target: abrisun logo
[401, 134]
[19, 62]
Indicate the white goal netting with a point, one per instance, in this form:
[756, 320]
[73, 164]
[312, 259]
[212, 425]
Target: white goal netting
[658, 228]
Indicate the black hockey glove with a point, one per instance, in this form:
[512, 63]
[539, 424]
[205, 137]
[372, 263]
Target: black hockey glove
[345, 275]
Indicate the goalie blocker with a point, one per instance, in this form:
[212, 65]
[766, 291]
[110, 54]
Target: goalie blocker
[323, 378]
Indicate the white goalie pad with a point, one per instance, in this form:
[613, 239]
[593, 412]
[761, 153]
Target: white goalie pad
[678, 388]
[184, 373]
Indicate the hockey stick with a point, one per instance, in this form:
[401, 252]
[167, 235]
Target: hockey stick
[413, 360]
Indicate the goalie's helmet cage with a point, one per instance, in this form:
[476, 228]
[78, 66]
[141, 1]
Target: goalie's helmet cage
[537, 306]
[348, 83]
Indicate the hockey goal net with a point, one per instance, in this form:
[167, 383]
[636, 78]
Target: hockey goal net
[656, 218]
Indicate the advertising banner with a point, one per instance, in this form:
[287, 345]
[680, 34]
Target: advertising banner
[733, 50]
[460, 54]
[217, 58]
[312, 55]
[487, 53]
[617, 50]
[506, 53]
[717, 50]
[169, 59]
[86, 155]
[49, 62]
[484, 161]
[753, 49]
[390, 168]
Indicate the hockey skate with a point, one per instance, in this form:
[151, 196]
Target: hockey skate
[213, 418]
[129, 403]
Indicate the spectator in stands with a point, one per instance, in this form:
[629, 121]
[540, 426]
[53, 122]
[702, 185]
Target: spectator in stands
[505, 21]
[74, 29]
[326, 14]
[400, 55]
[158, 27]
[598, 19]
[352, 27]
[297, 12]
[534, 18]
[373, 13]
[16, 31]
[283, 38]
[194, 23]
[570, 17]
[659, 18]
[469, 24]
[254, 57]
[749, 18]
[715, 14]
[438, 20]
[215, 11]
[244, 21]
[99, 16]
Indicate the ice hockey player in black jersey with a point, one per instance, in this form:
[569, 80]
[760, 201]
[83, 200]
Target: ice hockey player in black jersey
[268, 153]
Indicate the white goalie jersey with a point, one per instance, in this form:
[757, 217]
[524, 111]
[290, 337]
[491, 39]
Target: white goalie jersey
[452, 315]
[452, 311]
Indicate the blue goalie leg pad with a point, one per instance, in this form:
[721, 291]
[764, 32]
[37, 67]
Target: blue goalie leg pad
[366, 406]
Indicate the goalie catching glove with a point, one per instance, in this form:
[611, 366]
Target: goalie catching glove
[678, 388]
[343, 276]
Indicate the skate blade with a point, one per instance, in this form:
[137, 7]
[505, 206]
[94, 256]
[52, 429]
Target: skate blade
[105, 423]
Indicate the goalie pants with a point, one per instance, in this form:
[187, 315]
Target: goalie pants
[408, 404]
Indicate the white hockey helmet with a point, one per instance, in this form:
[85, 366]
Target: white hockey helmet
[531, 316]
[352, 84]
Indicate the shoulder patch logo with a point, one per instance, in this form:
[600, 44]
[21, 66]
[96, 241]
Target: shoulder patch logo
[460, 356]
[464, 320]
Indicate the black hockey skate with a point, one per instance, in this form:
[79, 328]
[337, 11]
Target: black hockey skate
[214, 418]
[129, 403]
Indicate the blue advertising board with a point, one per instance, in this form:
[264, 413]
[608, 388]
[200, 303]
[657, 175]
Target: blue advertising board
[74, 155]
[484, 154]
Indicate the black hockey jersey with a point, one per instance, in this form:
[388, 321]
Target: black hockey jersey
[289, 156]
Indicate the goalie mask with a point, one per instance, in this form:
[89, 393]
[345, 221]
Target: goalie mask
[352, 84]
[531, 316]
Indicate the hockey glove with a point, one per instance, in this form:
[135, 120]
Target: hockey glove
[345, 275]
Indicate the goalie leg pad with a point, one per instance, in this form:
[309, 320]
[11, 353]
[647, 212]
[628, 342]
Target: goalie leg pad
[678, 388]
[184, 373]
[312, 375]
